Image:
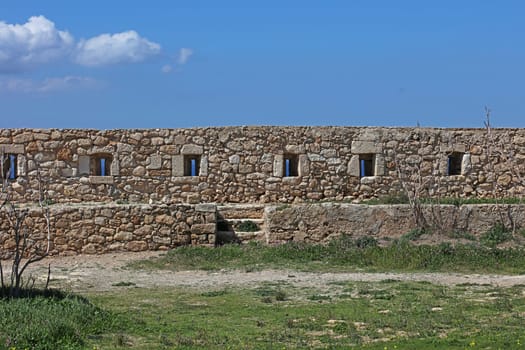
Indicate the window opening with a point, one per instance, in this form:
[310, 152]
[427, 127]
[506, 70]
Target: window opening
[291, 165]
[454, 163]
[366, 165]
[9, 167]
[102, 167]
[191, 165]
[101, 164]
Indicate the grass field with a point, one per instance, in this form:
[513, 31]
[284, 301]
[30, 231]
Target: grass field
[383, 315]
[389, 314]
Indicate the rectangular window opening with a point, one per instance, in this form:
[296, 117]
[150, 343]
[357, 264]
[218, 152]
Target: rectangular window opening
[102, 167]
[191, 165]
[101, 164]
[454, 163]
[9, 166]
[366, 165]
[290, 165]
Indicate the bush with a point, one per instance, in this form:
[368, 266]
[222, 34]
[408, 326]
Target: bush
[414, 234]
[365, 242]
[496, 235]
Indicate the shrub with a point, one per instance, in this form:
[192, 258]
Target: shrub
[496, 235]
[365, 242]
[413, 234]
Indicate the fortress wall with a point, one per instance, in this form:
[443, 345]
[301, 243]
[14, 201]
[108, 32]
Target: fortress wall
[250, 164]
[321, 222]
[105, 228]
[94, 229]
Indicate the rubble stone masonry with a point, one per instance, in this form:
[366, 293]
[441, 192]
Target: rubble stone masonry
[114, 190]
[250, 164]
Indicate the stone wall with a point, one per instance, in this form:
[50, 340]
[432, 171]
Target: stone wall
[93, 229]
[87, 229]
[322, 222]
[260, 164]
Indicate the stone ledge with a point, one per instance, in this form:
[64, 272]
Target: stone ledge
[97, 180]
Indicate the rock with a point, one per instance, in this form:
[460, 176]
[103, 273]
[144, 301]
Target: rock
[136, 246]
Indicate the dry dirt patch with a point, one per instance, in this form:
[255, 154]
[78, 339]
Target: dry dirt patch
[105, 272]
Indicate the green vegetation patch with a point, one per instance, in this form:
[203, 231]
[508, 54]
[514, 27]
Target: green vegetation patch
[50, 322]
[345, 254]
[248, 226]
[361, 315]
[403, 199]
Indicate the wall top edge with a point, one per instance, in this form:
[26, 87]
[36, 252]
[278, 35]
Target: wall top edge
[261, 127]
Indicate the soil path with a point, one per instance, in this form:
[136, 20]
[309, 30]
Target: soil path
[104, 273]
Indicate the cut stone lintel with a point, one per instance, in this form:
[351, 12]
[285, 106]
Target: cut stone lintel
[365, 147]
[12, 148]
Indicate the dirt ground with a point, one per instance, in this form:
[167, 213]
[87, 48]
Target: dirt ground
[105, 272]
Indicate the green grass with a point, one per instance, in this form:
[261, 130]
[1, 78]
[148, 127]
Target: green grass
[362, 315]
[496, 235]
[391, 314]
[50, 322]
[345, 254]
[403, 199]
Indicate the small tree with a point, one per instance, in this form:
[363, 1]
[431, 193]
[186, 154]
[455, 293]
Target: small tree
[421, 183]
[497, 150]
[26, 249]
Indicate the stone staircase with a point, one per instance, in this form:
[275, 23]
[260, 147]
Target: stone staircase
[240, 223]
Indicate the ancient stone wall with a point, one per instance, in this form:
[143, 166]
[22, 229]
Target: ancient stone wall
[322, 222]
[259, 164]
[93, 229]
[104, 228]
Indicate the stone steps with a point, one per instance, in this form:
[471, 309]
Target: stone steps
[232, 222]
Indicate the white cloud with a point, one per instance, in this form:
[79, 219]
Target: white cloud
[184, 55]
[107, 49]
[47, 85]
[38, 41]
[166, 68]
[23, 46]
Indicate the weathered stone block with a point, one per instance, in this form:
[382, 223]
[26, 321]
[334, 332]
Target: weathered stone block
[114, 168]
[139, 171]
[192, 149]
[206, 208]
[200, 229]
[177, 166]
[155, 162]
[165, 219]
[278, 161]
[12, 148]
[304, 165]
[234, 159]
[161, 240]
[83, 165]
[353, 168]
[203, 170]
[136, 246]
[294, 149]
[123, 236]
[365, 147]
[379, 165]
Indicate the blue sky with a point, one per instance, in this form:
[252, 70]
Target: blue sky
[137, 64]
